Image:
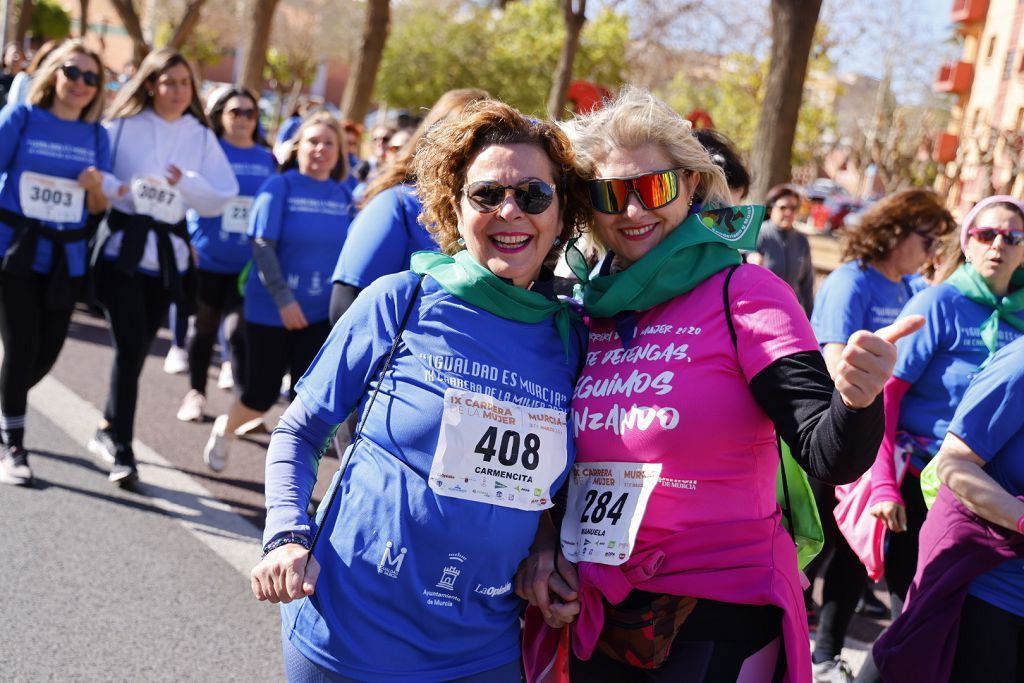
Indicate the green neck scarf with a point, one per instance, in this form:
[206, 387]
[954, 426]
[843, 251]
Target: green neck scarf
[702, 245]
[463, 277]
[970, 283]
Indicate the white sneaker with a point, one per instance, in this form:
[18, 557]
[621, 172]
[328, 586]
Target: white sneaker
[226, 378]
[14, 469]
[192, 405]
[176, 362]
[215, 455]
[833, 671]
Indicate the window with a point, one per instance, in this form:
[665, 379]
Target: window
[991, 49]
[1020, 116]
[1008, 64]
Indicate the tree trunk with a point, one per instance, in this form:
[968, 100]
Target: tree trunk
[24, 17]
[130, 18]
[83, 21]
[356, 100]
[575, 13]
[187, 24]
[793, 24]
[255, 57]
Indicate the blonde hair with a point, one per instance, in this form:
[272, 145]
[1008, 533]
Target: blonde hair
[43, 91]
[321, 118]
[636, 118]
[448, 148]
[135, 96]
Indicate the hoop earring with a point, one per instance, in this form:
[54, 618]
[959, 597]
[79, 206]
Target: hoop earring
[558, 241]
[461, 242]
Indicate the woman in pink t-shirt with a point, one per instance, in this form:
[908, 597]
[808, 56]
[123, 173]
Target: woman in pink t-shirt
[672, 539]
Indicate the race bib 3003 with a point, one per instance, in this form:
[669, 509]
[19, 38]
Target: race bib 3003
[154, 197]
[47, 198]
[498, 452]
[606, 505]
[236, 216]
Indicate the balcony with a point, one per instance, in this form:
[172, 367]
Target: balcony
[968, 11]
[945, 148]
[954, 77]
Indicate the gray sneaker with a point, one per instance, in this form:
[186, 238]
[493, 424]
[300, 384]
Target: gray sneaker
[833, 671]
[14, 469]
[103, 446]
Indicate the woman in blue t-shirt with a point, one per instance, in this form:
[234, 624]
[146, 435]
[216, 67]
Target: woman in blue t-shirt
[982, 463]
[220, 244]
[53, 153]
[450, 480]
[297, 225]
[387, 232]
[977, 310]
[867, 292]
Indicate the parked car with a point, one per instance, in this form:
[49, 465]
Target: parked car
[830, 214]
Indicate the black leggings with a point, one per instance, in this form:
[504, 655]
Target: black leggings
[711, 647]
[272, 351]
[990, 646]
[218, 299]
[32, 336]
[135, 306]
[843, 580]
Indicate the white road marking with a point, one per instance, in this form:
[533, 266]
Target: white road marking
[229, 535]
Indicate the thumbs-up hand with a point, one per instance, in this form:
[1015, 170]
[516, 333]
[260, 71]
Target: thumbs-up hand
[868, 359]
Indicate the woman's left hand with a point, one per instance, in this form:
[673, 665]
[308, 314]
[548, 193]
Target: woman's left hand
[173, 175]
[548, 581]
[867, 361]
[90, 179]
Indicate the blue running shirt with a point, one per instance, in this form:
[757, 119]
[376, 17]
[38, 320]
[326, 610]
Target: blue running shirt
[416, 586]
[851, 299]
[33, 139]
[383, 238]
[940, 359]
[223, 245]
[308, 219]
[990, 419]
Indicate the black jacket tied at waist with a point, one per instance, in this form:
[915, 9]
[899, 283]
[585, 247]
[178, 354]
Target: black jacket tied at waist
[21, 254]
[133, 243]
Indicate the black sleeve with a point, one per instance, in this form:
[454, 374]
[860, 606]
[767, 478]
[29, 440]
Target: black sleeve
[342, 296]
[831, 442]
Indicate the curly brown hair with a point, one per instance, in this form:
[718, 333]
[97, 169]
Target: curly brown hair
[448, 148]
[892, 220]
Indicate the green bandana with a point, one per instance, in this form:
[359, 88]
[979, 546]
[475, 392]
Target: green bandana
[702, 245]
[463, 277]
[970, 283]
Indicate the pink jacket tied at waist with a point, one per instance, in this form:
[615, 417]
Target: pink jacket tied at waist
[755, 566]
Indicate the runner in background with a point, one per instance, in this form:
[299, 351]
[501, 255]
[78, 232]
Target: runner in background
[975, 312]
[387, 230]
[221, 243]
[725, 156]
[53, 153]
[23, 80]
[867, 292]
[167, 160]
[783, 249]
[297, 224]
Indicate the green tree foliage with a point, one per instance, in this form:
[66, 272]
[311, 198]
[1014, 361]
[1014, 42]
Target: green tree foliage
[734, 99]
[49, 21]
[437, 45]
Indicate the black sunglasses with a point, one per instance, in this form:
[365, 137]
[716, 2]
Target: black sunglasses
[73, 73]
[244, 113]
[532, 196]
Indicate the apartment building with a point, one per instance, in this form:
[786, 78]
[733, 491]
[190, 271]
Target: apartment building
[982, 147]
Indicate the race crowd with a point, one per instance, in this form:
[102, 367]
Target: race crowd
[603, 427]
